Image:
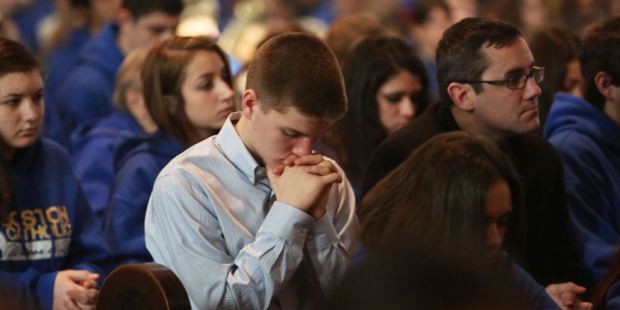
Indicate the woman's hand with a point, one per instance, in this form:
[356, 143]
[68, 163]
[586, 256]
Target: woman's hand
[565, 295]
[75, 289]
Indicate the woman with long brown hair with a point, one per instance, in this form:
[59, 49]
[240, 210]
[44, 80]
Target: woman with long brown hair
[188, 92]
[50, 242]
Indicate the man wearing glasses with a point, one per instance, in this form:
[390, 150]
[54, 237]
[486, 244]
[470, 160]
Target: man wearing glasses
[488, 86]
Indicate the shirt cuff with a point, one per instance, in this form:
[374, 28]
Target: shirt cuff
[323, 233]
[287, 222]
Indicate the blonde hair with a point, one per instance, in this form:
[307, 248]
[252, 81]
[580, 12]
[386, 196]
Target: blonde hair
[128, 77]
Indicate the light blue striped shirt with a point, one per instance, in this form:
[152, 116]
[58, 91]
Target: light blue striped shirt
[212, 220]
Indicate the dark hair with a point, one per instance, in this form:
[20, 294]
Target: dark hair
[14, 57]
[460, 56]
[162, 76]
[140, 8]
[438, 195]
[422, 12]
[553, 48]
[370, 64]
[298, 70]
[601, 52]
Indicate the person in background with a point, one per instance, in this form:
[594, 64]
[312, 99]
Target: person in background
[51, 248]
[187, 88]
[78, 21]
[387, 87]
[94, 145]
[427, 23]
[557, 50]
[586, 134]
[86, 93]
[456, 191]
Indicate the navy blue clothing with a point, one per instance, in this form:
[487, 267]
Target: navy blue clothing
[588, 142]
[59, 63]
[48, 228]
[138, 161]
[86, 94]
[92, 156]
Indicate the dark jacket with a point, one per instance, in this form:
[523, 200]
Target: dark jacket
[539, 238]
[138, 161]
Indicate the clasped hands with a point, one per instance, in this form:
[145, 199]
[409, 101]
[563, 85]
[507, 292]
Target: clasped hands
[75, 289]
[304, 182]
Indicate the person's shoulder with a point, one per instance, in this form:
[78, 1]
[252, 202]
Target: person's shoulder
[53, 149]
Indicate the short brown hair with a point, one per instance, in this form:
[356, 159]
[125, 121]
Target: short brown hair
[460, 56]
[162, 75]
[298, 70]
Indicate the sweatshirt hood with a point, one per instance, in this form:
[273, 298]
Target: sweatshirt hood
[570, 113]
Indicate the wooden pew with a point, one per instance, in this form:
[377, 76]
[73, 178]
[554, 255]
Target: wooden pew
[142, 286]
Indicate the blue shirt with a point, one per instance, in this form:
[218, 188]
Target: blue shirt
[48, 228]
[212, 219]
[589, 143]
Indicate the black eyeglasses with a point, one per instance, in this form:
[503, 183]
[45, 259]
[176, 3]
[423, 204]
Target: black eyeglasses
[516, 81]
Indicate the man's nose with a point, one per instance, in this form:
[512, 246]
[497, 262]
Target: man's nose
[302, 147]
[532, 89]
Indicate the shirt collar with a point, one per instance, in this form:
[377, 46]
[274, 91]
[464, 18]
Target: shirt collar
[231, 145]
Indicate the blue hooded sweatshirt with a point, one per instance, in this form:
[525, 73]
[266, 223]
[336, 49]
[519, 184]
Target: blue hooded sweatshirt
[86, 93]
[48, 228]
[92, 156]
[589, 143]
[59, 63]
[138, 161]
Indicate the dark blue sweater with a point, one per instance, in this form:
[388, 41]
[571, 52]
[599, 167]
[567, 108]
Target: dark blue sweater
[138, 161]
[49, 227]
[589, 143]
[93, 147]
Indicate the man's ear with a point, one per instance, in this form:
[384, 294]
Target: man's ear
[602, 80]
[249, 103]
[462, 95]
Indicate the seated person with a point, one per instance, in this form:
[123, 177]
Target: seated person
[50, 241]
[251, 218]
[94, 144]
[188, 93]
[455, 191]
[586, 134]
[387, 88]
